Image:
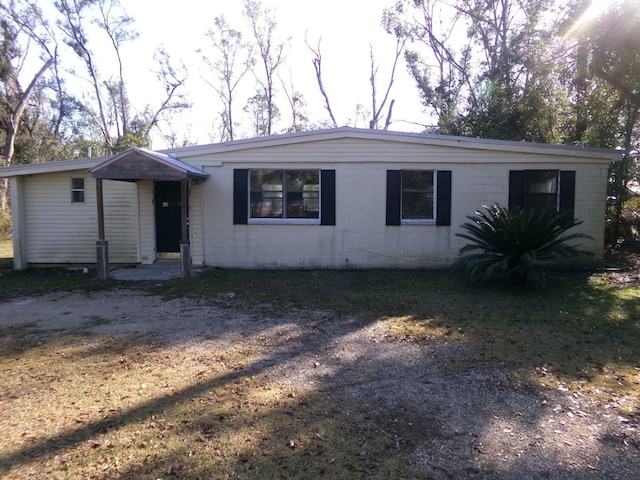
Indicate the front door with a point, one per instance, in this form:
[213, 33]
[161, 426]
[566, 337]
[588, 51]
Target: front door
[168, 209]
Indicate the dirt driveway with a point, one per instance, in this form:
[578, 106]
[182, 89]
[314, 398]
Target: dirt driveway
[473, 423]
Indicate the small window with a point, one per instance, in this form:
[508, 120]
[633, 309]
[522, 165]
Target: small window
[284, 194]
[417, 195]
[555, 189]
[77, 190]
[540, 189]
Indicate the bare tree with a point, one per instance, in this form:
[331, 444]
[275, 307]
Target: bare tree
[271, 55]
[73, 27]
[18, 21]
[317, 66]
[376, 109]
[261, 114]
[172, 79]
[119, 29]
[232, 61]
[110, 107]
[297, 104]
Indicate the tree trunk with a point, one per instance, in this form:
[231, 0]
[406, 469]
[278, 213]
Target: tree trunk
[12, 129]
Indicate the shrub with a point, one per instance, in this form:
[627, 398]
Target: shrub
[516, 243]
[5, 225]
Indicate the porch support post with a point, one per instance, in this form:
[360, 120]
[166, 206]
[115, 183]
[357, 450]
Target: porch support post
[185, 246]
[102, 246]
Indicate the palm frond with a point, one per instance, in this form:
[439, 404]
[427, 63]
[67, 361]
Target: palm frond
[516, 242]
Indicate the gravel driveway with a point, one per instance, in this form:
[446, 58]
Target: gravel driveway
[474, 423]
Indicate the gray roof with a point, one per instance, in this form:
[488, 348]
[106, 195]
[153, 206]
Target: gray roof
[162, 158]
[407, 137]
[172, 156]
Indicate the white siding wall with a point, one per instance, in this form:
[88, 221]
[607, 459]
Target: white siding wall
[58, 231]
[360, 237]
[196, 224]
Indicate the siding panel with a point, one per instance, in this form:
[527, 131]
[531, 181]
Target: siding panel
[360, 237]
[58, 231]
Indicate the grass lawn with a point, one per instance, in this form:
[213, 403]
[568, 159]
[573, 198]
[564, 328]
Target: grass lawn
[581, 332]
[6, 254]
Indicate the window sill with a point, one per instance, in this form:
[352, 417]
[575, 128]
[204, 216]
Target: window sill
[284, 221]
[417, 222]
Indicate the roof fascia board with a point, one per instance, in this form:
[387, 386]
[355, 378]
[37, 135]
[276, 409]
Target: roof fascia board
[402, 137]
[51, 167]
[189, 170]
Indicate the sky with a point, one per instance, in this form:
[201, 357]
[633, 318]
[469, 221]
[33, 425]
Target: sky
[347, 29]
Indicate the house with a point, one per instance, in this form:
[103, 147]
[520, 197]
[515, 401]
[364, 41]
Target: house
[335, 198]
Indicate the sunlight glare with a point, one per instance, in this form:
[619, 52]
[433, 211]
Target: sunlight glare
[595, 9]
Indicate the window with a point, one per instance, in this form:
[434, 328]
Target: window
[77, 190]
[418, 196]
[284, 196]
[542, 189]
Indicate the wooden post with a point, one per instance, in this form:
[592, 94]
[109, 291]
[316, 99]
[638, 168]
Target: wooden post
[100, 202]
[185, 246]
[184, 201]
[102, 246]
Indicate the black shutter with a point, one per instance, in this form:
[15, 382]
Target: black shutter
[516, 186]
[443, 205]
[394, 185]
[327, 197]
[240, 196]
[567, 190]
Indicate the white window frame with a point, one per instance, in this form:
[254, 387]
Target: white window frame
[419, 221]
[284, 220]
[75, 190]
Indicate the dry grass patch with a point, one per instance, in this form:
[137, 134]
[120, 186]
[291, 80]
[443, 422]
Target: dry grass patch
[439, 366]
[578, 337]
[104, 407]
[6, 254]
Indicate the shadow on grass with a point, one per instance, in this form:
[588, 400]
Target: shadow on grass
[577, 326]
[292, 437]
[356, 421]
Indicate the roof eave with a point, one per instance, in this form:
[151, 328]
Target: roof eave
[384, 135]
[173, 169]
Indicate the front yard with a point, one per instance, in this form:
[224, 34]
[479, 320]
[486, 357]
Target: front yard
[319, 374]
[6, 254]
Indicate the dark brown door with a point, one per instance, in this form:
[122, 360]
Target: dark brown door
[168, 209]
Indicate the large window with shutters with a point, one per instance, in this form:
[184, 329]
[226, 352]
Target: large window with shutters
[418, 197]
[553, 189]
[284, 196]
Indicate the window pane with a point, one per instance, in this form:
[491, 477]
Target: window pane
[77, 197]
[540, 189]
[266, 204]
[266, 180]
[417, 180]
[417, 195]
[303, 189]
[541, 181]
[266, 193]
[296, 180]
[77, 190]
[285, 194]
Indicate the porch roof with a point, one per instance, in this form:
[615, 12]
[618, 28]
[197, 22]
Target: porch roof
[140, 164]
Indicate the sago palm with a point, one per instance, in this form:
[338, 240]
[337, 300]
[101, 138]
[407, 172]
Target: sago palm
[517, 243]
